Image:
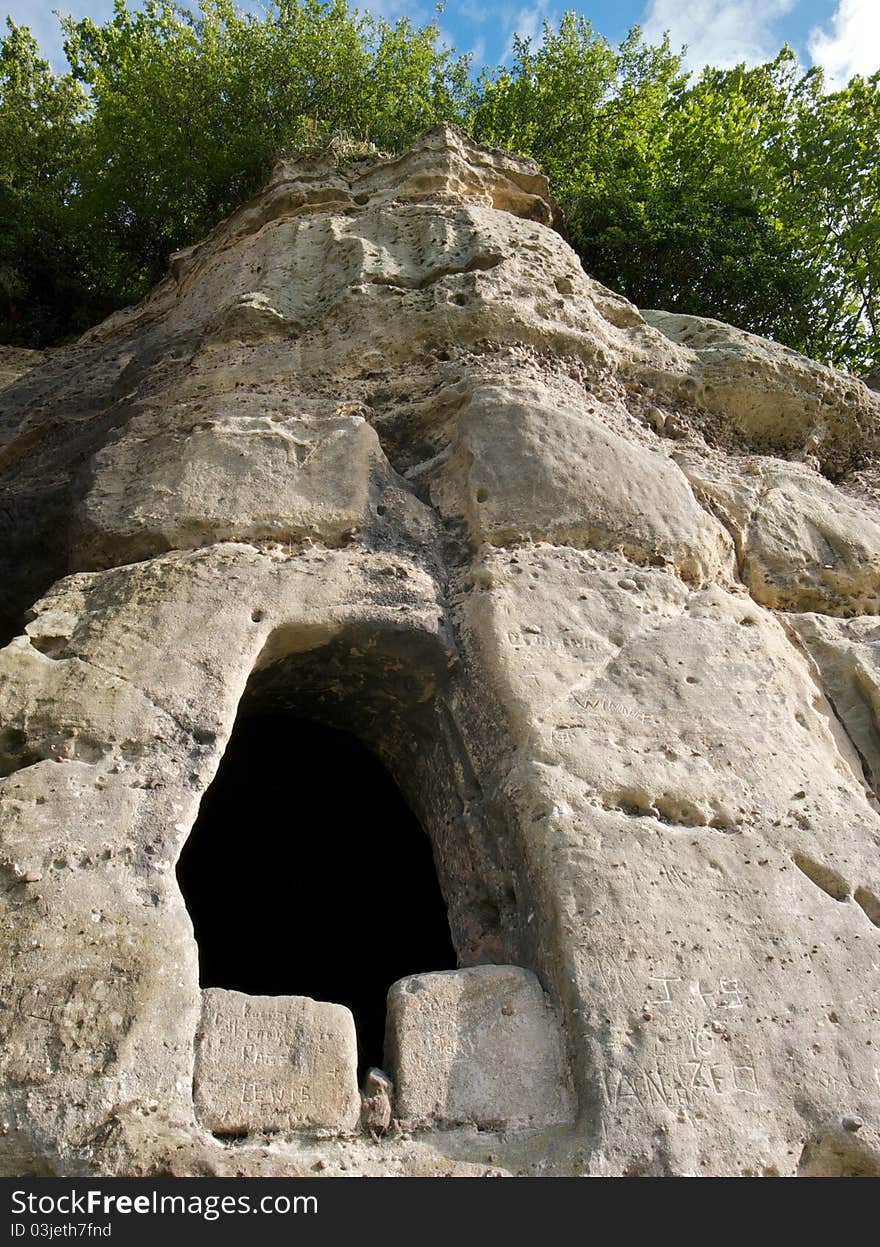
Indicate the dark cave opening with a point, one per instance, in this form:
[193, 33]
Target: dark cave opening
[307, 874]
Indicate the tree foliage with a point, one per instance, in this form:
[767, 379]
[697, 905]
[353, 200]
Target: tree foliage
[750, 195]
[186, 108]
[40, 119]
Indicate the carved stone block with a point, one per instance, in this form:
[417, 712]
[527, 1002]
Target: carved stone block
[274, 1063]
[479, 1046]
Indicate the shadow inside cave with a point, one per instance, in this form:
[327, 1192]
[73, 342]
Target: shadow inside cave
[307, 874]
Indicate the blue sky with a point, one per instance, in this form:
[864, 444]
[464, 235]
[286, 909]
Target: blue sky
[841, 35]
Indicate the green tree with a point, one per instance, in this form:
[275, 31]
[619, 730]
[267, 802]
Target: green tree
[693, 222]
[40, 114]
[747, 194]
[833, 198]
[188, 109]
[750, 195]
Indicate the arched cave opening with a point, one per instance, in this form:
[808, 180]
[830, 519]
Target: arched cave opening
[307, 874]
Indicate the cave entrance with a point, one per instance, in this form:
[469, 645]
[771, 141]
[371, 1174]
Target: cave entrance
[307, 873]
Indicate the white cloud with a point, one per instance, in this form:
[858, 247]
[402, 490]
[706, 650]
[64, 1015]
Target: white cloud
[528, 23]
[443, 38]
[418, 14]
[852, 45]
[719, 32]
[477, 53]
[473, 10]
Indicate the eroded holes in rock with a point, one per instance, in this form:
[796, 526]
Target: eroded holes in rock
[870, 903]
[307, 874]
[828, 880]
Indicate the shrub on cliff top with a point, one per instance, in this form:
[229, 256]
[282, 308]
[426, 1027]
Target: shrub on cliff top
[750, 195]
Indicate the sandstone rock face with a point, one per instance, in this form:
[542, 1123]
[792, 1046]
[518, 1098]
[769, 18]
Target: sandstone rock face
[15, 362]
[601, 590]
[872, 378]
[802, 544]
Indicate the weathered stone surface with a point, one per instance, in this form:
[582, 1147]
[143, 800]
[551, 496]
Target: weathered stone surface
[269, 1063]
[582, 483]
[479, 1046]
[847, 657]
[237, 473]
[766, 398]
[871, 379]
[803, 545]
[15, 362]
[600, 588]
